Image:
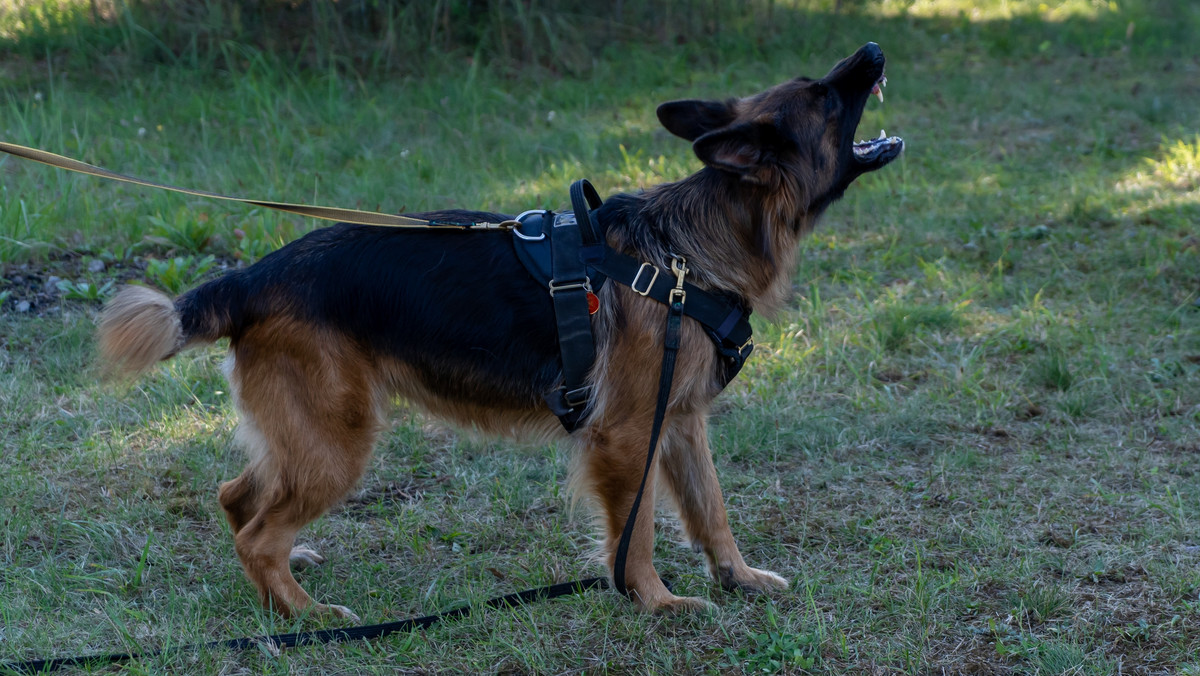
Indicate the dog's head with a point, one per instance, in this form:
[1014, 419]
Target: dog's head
[798, 134]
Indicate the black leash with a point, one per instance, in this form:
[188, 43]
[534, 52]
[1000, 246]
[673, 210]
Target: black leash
[318, 636]
[666, 375]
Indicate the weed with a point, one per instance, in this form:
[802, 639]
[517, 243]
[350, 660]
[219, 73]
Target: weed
[1043, 603]
[363, 37]
[260, 235]
[896, 324]
[176, 275]
[773, 650]
[185, 232]
[1179, 164]
[86, 291]
[1052, 370]
[1056, 658]
[1079, 403]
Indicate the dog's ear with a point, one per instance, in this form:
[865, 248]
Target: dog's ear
[693, 118]
[749, 149]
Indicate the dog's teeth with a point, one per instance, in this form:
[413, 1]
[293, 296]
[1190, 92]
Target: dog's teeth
[882, 135]
[877, 92]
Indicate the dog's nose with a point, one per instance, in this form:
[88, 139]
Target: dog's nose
[871, 51]
[860, 69]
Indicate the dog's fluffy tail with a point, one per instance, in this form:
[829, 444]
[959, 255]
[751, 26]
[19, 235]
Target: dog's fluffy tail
[141, 327]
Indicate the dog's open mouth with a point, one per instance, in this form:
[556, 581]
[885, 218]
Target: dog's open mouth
[882, 149]
[877, 152]
[877, 88]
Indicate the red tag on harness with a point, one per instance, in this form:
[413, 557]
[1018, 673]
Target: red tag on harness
[593, 303]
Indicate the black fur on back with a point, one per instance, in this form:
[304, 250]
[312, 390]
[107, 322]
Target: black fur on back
[457, 307]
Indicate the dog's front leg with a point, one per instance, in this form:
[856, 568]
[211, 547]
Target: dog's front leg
[615, 457]
[688, 471]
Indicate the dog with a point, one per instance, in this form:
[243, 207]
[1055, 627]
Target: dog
[324, 331]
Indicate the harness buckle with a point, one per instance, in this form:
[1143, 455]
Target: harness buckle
[577, 397]
[650, 284]
[586, 285]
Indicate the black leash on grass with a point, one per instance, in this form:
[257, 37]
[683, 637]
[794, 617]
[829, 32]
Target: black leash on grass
[280, 641]
[319, 636]
[675, 311]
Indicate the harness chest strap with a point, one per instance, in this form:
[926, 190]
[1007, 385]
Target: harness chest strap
[726, 323]
[577, 250]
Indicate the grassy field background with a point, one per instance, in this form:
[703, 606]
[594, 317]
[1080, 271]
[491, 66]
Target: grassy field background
[970, 440]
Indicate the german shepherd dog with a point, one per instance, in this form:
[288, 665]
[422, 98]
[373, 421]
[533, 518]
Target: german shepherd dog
[323, 332]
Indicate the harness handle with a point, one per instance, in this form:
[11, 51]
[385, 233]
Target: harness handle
[584, 199]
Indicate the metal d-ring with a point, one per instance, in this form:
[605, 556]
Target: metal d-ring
[527, 238]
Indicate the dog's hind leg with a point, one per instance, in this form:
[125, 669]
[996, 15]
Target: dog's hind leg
[310, 418]
[239, 498]
[688, 471]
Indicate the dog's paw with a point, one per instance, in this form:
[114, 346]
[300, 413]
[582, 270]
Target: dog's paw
[663, 602]
[681, 604]
[303, 557]
[341, 612]
[749, 580]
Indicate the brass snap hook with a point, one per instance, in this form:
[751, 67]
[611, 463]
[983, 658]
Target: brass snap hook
[679, 267]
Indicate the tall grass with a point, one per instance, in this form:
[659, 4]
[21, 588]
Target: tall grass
[365, 36]
[370, 37]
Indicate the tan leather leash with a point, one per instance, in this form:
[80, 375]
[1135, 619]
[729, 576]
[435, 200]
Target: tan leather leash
[312, 211]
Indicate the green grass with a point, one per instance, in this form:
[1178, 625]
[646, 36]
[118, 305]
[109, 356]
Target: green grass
[969, 440]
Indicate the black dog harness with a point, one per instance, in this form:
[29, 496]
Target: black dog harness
[568, 254]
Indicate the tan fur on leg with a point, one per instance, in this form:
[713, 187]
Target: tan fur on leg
[688, 472]
[310, 417]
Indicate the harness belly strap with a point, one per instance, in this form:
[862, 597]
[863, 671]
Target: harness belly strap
[569, 290]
